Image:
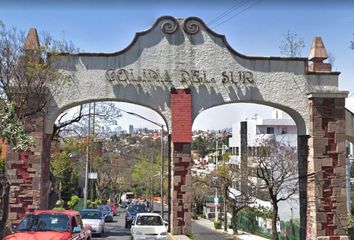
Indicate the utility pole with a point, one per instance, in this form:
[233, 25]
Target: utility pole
[162, 172]
[87, 158]
[225, 190]
[92, 181]
[216, 200]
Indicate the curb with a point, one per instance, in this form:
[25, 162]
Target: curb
[177, 237]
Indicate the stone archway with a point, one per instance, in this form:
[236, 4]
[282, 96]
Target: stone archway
[180, 67]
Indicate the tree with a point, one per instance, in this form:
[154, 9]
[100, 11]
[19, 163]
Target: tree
[291, 45]
[227, 175]
[200, 192]
[75, 120]
[146, 175]
[201, 146]
[26, 71]
[278, 171]
[11, 129]
[64, 167]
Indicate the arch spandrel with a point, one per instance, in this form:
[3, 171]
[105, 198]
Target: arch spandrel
[185, 53]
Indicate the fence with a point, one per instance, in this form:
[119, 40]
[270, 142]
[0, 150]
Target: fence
[289, 230]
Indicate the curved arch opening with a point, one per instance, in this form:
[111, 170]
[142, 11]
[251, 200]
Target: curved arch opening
[121, 147]
[228, 143]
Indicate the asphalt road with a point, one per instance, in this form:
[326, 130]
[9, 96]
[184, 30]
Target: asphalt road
[115, 230]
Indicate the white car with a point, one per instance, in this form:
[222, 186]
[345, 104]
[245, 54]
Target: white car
[94, 219]
[148, 226]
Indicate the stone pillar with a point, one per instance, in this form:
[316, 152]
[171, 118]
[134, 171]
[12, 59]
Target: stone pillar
[28, 173]
[326, 185]
[181, 109]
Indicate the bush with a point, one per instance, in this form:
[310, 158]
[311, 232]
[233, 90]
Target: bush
[59, 205]
[74, 200]
[217, 224]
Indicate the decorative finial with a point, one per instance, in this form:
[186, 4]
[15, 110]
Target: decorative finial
[32, 40]
[318, 54]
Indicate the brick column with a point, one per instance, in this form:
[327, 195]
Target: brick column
[326, 188]
[28, 173]
[181, 108]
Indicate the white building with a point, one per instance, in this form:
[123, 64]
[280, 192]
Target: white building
[282, 128]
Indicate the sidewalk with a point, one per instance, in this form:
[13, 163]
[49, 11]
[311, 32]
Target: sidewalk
[241, 235]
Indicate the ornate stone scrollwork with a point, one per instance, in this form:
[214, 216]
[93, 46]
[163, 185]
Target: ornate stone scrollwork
[191, 26]
[169, 25]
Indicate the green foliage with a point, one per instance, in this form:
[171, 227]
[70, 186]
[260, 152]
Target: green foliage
[259, 211]
[65, 170]
[352, 201]
[59, 205]
[217, 224]
[146, 175]
[350, 221]
[74, 200]
[2, 164]
[94, 204]
[12, 130]
[201, 146]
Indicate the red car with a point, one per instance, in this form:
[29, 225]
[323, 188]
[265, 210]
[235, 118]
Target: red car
[114, 208]
[51, 225]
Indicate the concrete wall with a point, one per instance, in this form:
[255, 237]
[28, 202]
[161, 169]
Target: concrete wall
[186, 54]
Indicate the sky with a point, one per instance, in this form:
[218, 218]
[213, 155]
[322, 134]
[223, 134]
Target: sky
[252, 27]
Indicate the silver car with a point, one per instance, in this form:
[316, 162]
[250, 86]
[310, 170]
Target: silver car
[95, 219]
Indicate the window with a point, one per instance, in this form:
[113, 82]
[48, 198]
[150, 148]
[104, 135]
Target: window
[237, 151]
[270, 130]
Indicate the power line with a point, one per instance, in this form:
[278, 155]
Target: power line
[252, 5]
[227, 12]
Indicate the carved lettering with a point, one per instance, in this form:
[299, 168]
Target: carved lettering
[225, 78]
[186, 76]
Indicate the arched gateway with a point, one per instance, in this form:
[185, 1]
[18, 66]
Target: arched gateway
[179, 67]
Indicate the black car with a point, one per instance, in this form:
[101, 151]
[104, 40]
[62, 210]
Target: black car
[123, 205]
[132, 211]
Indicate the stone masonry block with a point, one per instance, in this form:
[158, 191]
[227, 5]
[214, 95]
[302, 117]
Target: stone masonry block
[176, 180]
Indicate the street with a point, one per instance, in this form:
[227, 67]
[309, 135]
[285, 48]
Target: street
[115, 230]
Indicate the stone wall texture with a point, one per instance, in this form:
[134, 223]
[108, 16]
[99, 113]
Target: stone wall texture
[28, 172]
[326, 185]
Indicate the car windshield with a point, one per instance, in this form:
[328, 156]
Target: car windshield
[90, 215]
[45, 222]
[137, 208]
[149, 221]
[104, 208]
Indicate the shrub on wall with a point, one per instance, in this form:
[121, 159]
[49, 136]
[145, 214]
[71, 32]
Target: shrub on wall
[217, 224]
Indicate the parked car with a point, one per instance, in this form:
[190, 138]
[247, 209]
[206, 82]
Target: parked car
[123, 205]
[132, 211]
[107, 212]
[148, 226]
[51, 224]
[95, 219]
[114, 208]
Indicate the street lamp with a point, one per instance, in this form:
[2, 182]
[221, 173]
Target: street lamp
[162, 150]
